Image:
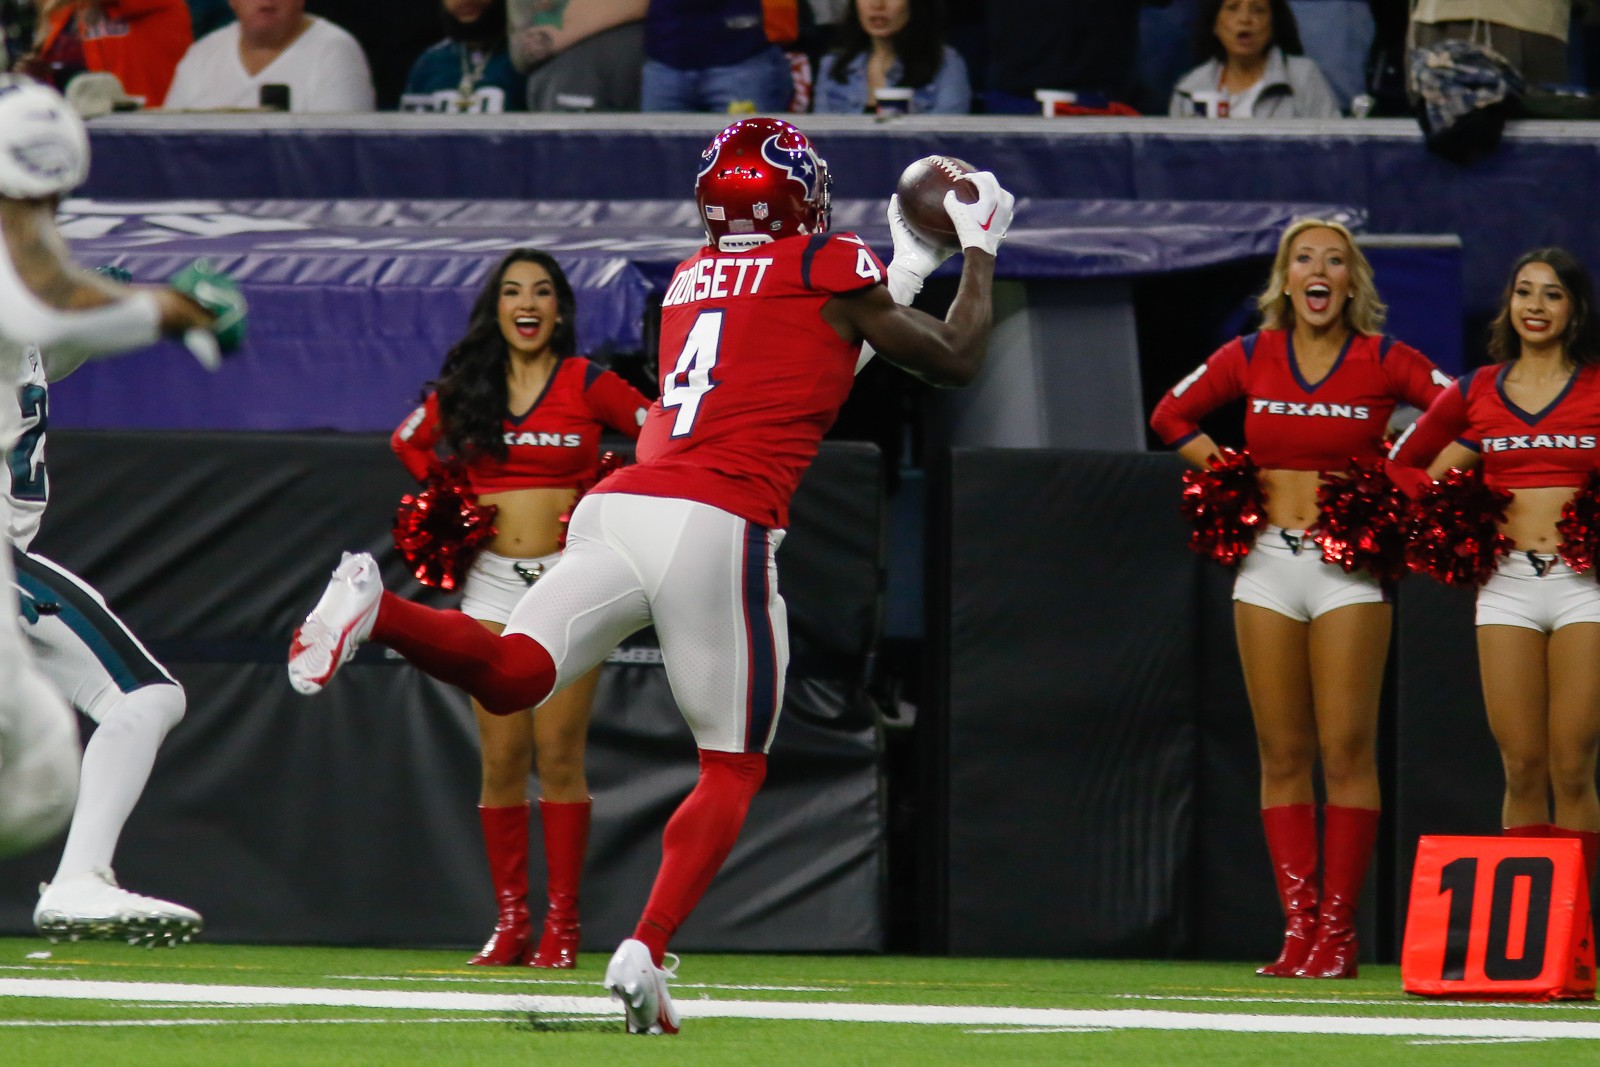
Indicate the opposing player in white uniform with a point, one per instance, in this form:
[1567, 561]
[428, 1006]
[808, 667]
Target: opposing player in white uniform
[761, 334]
[55, 316]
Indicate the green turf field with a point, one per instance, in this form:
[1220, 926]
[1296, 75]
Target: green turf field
[106, 1003]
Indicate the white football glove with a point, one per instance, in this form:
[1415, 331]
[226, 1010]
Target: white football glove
[914, 257]
[982, 224]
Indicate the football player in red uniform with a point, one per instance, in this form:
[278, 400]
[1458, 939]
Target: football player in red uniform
[761, 333]
[525, 412]
[1319, 383]
[1532, 422]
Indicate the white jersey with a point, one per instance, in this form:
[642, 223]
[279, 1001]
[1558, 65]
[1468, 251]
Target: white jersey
[24, 413]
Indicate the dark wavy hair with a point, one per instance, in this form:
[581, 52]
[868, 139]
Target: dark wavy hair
[919, 45]
[1285, 30]
[473, 397]
[1582, 339]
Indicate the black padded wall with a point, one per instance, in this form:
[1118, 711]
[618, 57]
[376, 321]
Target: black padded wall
[1072, 687]
[349, 817]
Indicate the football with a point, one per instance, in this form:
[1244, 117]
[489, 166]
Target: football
[921, 191]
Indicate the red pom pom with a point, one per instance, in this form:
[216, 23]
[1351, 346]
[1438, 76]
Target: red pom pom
[1580, 526]
[609, 461]
[439, 529]
[1226, 507]
[1362, 521]
[1455, 530]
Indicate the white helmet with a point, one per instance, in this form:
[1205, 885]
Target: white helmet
[44, 149]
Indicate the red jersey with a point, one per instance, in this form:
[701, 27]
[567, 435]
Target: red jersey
[1521, 449]
[751, 375]
[554, 444]
[1292, 424]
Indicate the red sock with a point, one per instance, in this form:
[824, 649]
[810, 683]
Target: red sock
[699, 837]
[506, 673]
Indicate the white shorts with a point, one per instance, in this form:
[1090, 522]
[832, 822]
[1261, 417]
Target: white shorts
[83, 649]
[1285, 573]
[706, 579]
[494, 584]
[1537, 592]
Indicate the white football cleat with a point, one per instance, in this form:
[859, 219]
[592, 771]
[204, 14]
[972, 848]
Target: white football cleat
[91, 906]
[642, 987]
[338, 624]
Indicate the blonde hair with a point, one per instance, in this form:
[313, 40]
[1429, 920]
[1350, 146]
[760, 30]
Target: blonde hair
[1364, 312]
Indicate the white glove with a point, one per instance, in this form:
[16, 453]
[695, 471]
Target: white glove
[982, 224]
[914, 258]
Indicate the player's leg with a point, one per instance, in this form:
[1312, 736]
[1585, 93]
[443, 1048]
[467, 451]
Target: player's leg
[505, 673]
[724, 641]
[38, 734]
[91, 657]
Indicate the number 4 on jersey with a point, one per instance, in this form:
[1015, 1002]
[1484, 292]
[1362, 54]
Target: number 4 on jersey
[691, 377]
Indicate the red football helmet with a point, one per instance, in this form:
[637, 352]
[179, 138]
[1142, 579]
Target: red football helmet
[761, 177]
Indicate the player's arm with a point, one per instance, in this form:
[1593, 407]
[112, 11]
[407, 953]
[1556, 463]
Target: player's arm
[82, 315]
[948, 352]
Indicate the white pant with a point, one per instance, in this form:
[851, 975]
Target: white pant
[1284, 573]
[84, 649]
[706, 579]
[495, 584]
[1537, 592]
[38, 734]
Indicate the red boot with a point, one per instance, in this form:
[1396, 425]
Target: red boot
[566, 836]
[1348, 835]
[1533, 829]
[505, 836]
[1292, 843]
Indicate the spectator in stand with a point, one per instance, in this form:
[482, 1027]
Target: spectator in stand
[17, 21]
[470, 70]
[391, 32]
[1338, 36]
[722, 56]
[1253, 67]
[1530, 34]
[586, 58]
[274, 42]
[139, 41]
[1087, 47]
[894, 43]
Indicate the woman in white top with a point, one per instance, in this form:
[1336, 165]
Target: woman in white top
[1254, 69]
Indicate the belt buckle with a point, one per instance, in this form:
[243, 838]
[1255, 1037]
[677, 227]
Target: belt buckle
[527, 573]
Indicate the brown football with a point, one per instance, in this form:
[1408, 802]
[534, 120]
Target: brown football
[921, 190]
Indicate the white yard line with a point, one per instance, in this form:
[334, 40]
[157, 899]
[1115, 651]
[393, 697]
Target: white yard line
[950, 1015]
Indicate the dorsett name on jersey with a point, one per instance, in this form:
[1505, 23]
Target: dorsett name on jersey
[1322, 411]
[545, 440]
[717, 279]
[1542, 440]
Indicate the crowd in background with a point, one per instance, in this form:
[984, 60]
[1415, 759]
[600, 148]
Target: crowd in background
[1204, 58]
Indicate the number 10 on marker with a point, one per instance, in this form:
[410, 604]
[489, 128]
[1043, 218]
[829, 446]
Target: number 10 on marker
[1504, 917]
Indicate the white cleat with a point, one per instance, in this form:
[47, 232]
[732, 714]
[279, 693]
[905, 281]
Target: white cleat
[91, 906]
[338, 624]
[642, 987]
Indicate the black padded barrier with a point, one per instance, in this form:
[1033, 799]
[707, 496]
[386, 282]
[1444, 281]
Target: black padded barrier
[349, 818]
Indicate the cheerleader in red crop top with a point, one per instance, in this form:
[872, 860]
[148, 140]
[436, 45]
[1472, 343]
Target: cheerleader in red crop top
[526, 414]
[1319, 383]
[1532, 422]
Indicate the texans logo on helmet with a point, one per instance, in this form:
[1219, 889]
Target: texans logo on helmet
[797, 163]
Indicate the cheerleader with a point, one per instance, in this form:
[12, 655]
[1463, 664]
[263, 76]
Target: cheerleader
[1320, 382]
[1530, 421]
[525, 413]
